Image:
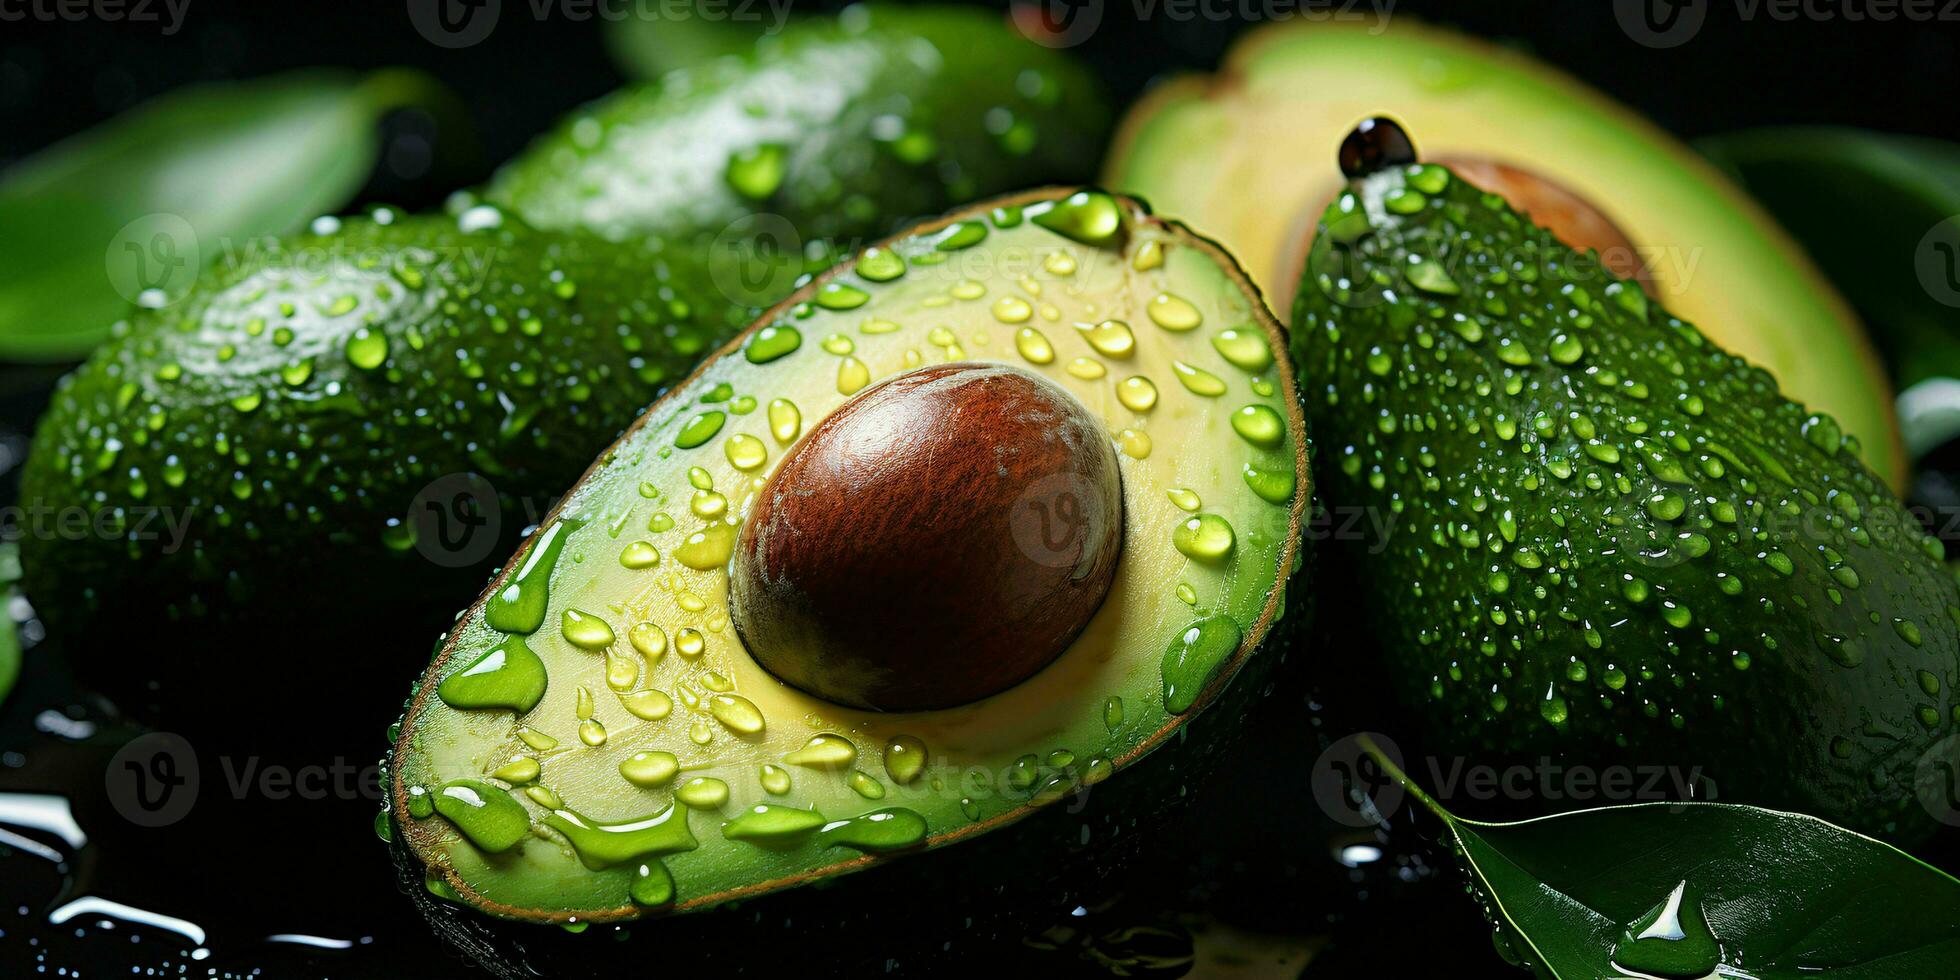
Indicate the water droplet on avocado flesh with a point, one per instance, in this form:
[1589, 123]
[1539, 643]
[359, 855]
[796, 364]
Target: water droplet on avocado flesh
[695, 724]
[1581, 479]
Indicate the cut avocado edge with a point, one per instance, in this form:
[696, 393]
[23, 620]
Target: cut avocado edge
[431, 841]
[1152, 156]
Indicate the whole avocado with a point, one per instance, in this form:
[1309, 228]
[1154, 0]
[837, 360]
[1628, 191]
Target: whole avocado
[1613, 541]
[841, 128]
[350, 444]
[357, 418]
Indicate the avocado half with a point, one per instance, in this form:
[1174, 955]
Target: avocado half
[594, 741]
[1223, 154]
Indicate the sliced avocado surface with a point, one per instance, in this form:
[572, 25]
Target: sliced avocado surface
[844, 127]
[1618, 543]
[600, 695]
[1223, 153]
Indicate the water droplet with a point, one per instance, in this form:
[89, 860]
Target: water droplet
[1136, 393]
[824, 751]
[737, 713]
[1197, 380]
[650, 770]
[1111, 338]
[702, 793]
[756, 172]
[584, 630]
[1260, 425]
[1193, 656]
[1173, 313]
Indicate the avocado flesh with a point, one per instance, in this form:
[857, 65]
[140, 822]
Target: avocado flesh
[993, 285]
[1616, 542]
[1716, 259]
[844, 126]
[289, 410]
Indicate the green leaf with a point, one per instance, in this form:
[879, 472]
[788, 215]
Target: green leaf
[1678, 890]
[131, 210]
[1881, 215]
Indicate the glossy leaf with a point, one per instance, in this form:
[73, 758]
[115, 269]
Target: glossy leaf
[131, 210]
[1678, 890]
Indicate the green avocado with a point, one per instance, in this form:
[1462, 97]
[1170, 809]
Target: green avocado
[1223, 153]
[1613, 541]
[625, 682]
[368, 416]
[352, 418]
[842, 128]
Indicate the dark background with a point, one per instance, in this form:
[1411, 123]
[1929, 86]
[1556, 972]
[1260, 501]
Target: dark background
[58, 78]
[1276, 871]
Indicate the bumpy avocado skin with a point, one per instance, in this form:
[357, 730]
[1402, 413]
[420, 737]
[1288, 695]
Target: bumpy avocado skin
[1614, 541]
[255, 450]
[874, 116]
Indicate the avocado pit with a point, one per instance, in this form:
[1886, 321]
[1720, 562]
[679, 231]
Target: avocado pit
[938, 539]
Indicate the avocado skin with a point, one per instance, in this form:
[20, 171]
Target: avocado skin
[1415, 407]
[519, 354]
[962, 909]
[882, 115]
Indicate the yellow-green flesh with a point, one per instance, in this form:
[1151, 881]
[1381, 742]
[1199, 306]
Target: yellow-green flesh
[1017, 297]
[1250, 159]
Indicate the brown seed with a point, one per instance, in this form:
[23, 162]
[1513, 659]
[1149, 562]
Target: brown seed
[938, 539]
